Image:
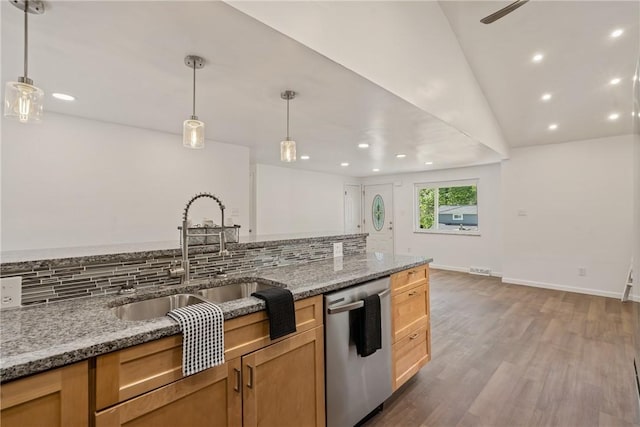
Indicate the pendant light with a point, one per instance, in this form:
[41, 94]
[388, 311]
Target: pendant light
[288, 146]
[22, 100]
[193, 129]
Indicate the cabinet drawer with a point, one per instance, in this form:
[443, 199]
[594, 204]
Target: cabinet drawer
[404, 280]
[410, 354]
[133, 371]
[410, 308]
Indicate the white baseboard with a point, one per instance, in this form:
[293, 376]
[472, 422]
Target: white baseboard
[459, 269]
[587, 291]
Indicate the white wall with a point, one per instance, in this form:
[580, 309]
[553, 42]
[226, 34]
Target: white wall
[296, 201]
[455, 252]
[407, 48]
[578, 199]
[71, 182]
[636, 210]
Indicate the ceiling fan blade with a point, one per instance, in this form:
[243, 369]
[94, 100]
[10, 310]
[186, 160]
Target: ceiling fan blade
[502, 12]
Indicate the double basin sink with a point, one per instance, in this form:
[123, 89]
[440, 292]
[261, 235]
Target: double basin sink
[159, 307]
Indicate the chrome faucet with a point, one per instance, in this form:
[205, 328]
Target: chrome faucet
[183, 270]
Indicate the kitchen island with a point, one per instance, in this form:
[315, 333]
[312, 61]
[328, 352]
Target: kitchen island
[78, 353]
[40, 337]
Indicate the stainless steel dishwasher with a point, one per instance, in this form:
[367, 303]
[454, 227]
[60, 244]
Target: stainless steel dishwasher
[355, 385]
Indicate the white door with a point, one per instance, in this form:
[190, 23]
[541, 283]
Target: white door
[352, 209]
[378, 220]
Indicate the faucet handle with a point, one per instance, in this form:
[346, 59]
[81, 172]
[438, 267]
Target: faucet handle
[126, 289]
[176, 272]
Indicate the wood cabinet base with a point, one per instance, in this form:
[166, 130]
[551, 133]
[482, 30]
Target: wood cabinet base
[411, 323]
[55, 398]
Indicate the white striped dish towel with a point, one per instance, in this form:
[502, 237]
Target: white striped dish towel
[202, 328]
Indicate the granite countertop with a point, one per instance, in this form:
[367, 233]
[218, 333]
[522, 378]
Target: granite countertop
[41, 337]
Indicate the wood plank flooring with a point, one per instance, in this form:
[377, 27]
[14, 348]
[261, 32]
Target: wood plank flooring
[507, 355]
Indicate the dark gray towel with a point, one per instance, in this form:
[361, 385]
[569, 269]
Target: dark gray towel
[368, 334]
[280, 309]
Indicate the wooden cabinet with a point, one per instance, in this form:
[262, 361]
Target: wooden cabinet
[269, 383]
[208, 398]
[411, 325]
[130, 372]
[54, 398]
[284, 383]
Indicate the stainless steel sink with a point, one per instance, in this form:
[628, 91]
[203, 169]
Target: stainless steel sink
[156, 307]
[232, 291]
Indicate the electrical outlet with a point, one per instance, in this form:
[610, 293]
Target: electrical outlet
[10, 292]
[337, 249]
[582, 271]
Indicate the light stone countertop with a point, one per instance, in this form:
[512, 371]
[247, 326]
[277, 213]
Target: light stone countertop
[40, 337]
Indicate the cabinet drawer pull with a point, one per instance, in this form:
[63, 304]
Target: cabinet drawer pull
[250, 382]
[413, 293]
[414, 336]
[237, 386]
[411, 273]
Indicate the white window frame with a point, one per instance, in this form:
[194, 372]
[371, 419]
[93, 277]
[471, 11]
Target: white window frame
[435, 185]
[457, 217]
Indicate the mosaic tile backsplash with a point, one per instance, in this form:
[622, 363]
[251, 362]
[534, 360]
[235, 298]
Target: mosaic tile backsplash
[64, 279]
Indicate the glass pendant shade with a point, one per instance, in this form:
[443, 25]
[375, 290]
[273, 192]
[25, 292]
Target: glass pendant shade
[23, 102]
[193, 133]
[288, 151]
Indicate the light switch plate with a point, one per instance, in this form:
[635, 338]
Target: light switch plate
[10, 292]
[337, 249]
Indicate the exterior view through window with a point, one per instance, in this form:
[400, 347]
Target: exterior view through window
[447, 207]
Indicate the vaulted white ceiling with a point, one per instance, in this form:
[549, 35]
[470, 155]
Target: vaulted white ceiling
[410, 91]
[581, 58]
[124, 63]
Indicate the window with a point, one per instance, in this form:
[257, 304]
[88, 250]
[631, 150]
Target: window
[450, 207]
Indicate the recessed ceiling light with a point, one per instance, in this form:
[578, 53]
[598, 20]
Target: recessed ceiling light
[63, 96]
[546, 97]
[344, 164]
[553, 126]
[617, 33]
[401, 156]
[376, 170]
[428, 163]
[614, 116]
[615, 81]
[363, 145]
[304, 157]
[537, 57]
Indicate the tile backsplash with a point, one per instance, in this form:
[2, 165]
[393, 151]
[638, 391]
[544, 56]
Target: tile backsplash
[63, 279]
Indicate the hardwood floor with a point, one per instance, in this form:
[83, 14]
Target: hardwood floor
[507, 355]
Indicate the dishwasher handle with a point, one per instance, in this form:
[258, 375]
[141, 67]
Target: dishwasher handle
[353, 305]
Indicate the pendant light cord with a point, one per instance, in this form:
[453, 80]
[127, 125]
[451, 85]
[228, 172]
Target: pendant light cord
[26, 38]
[194, 89]
[287, 118]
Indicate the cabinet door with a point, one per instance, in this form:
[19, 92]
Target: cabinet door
[410, 354]
[54, 398]
[208, 398]
[284, 383]
[410, 310]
